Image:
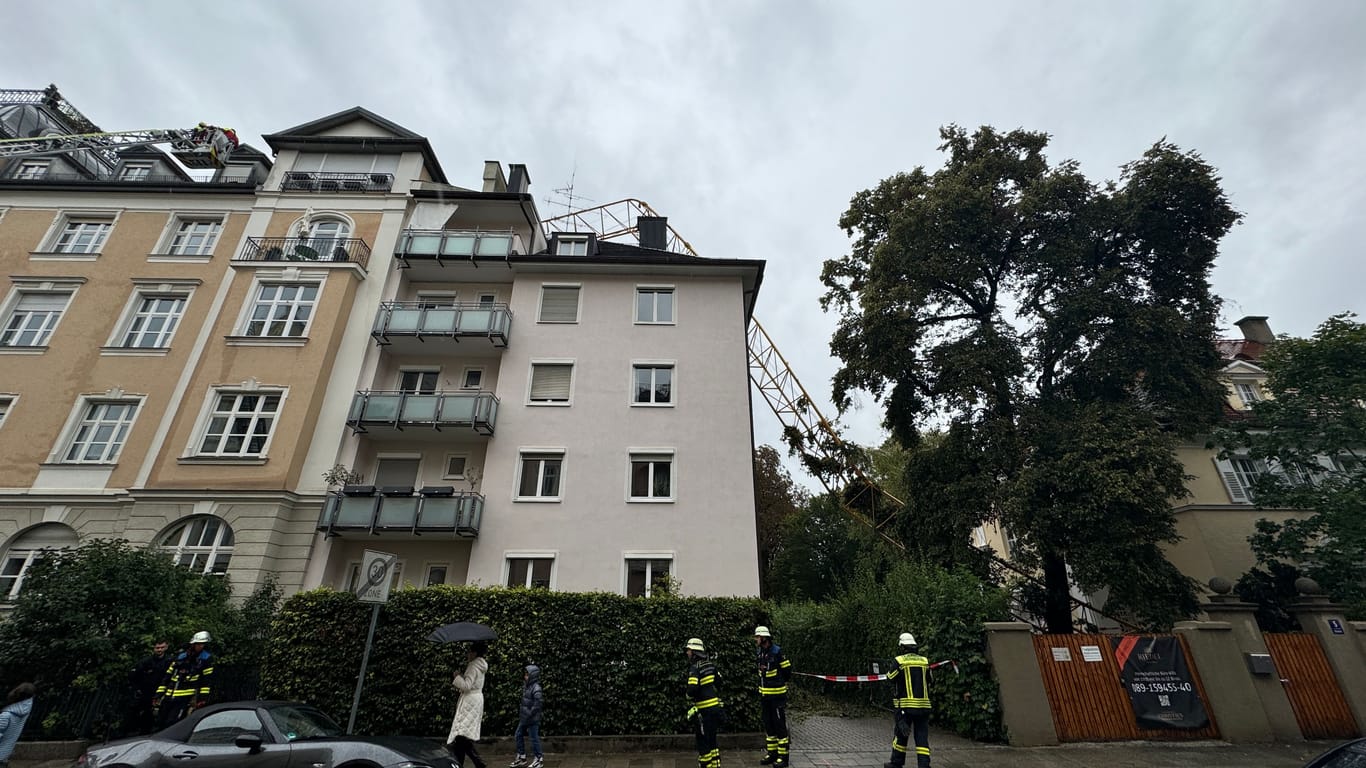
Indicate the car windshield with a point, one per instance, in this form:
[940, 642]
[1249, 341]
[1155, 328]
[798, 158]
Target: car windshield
[303, 723]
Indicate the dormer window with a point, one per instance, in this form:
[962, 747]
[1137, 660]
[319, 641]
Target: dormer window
[571, 245]
[1247, 392]
[135, 172]
[33, 169]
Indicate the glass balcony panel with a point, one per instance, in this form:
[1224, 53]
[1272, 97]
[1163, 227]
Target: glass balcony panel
[458, 245]
[441, 511]
[458, 408]
[398, 512]
[423, 244]
[476, 320]
[404, 320]
[382, 408]
[357, 408]
[440, 321]
[495, 245]
[470, 517]
[355, 512]
[420, 407]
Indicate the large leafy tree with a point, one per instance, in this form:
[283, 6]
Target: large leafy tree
[1311, 433]
[1059, 332]
[777, 499]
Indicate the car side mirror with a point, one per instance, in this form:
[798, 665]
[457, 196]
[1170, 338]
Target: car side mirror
[251, 742]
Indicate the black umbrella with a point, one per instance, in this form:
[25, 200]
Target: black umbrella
[462, 632]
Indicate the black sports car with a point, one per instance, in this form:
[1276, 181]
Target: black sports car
[264, 734]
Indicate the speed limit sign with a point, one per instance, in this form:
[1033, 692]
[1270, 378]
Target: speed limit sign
[376, 576]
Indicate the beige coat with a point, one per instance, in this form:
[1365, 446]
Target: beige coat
[469, 712]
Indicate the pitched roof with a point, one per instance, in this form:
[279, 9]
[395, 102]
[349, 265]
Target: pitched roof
[315, 127]
[1239, 349]
[310, 137]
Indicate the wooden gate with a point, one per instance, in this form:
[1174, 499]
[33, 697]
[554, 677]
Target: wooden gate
[1088, 700]
[1320, 708]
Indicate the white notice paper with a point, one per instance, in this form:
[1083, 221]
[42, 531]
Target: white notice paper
[1062, 654]
[1090, 653]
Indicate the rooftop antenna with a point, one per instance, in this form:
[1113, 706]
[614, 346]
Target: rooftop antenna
[568, 197]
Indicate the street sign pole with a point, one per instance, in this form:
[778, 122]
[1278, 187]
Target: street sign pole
[364, 662]
[373, 587]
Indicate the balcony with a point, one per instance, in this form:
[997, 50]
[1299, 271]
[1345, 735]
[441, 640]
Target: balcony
[434, 510]
[422, 414]
[408, 325]
[328, 183]
[431, 253]
[331, 250]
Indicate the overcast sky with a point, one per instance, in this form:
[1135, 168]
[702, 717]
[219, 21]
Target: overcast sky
[751, 124]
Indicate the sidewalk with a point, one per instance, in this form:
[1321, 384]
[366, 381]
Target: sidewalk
[847, 742]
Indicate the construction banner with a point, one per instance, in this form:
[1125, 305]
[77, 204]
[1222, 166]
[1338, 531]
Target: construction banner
[1161, 691]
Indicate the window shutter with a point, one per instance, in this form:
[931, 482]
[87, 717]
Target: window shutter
[550, 382]
[1236, 492]
[42, 302]
[559, 304]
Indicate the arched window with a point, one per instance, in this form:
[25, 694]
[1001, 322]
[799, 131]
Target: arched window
[202, 543]
[328, 235]
[26, 549]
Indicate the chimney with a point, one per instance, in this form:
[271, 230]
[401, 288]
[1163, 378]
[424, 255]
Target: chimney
[493, 177]
[653, 231]
[1255, 328]
[519, 180]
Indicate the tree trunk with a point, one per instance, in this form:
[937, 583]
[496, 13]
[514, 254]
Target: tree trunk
[1057, 613]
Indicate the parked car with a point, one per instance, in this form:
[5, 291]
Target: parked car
[1351, 754]
[264, 734]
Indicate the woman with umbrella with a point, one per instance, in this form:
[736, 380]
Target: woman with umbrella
[469, 712]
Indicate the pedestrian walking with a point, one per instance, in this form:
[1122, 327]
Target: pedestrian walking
[469, 711]
[18, 707]
[145, 677]
[911, 702]
[188, 683]
[529, 720]
[774, 672]
[706, 705]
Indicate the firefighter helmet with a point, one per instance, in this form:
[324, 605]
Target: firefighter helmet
[762, 632]
[201, 637]
[906, 639]
[695, 644]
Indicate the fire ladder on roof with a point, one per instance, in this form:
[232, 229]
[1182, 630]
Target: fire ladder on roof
[828, 456]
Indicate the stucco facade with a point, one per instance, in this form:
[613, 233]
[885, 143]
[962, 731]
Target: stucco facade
[182, 360]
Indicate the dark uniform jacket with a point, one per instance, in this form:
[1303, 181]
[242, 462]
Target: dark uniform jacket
[702, 682]
[912, 681]
[774, 671]
[190, 675]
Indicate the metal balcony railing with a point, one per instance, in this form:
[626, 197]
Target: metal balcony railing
[432, 410]
[365, 509]
[326, 249]
[449, 245]
[419, 319]
[80, 178]
[326, 181]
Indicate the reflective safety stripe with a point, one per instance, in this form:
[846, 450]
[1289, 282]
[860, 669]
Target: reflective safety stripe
[778, 691]
[703, 704]
[922, 750]
[706, 680]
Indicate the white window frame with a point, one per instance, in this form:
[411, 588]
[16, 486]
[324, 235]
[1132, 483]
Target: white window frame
[32, 170]
[446, 466]
[578, 303]
[7, 402]
[16, 296]
[531, 381]
[1247, 392]
[76, 224]
[436, 299]
[465, 377]
[427, 572]
[207, 415]
[183, 232]
[254, 298]
[30, 554]
[486, 299]
[132, 310]
[79, 420]
[552, 555]
[655, 289]
[533, 453]
[211, 552]
[145, 166]
[654, 365]
[652, 455]
[577, 245]
[627, 557]
[421, 371]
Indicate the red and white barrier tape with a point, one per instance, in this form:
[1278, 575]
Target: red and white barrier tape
[873, 678]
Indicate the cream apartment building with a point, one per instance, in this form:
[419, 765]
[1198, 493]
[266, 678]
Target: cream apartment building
[185, 359]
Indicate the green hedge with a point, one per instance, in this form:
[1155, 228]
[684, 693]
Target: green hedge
[610, 664]
[861, 623]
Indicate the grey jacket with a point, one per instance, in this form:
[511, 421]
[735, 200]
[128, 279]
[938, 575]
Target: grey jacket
[533, 701]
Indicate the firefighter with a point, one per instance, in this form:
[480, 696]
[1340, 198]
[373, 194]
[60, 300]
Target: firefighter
[188, 682]
[911, 703]
[706, 706]
[774, 672]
